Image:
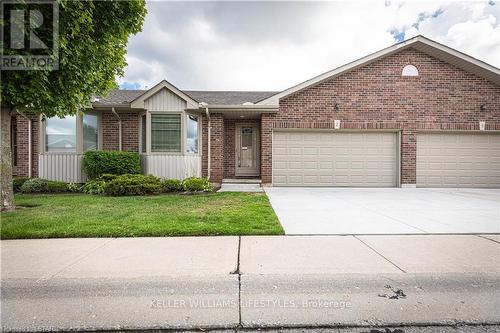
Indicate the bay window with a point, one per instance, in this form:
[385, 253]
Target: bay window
[192, 134]
[60, 134]
[165, 132]
[90, 132]
[71, 134]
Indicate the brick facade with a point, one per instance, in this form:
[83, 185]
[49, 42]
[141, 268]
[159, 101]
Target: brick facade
[130, 131]
[376, 96]
[216, 147]
[21, 169]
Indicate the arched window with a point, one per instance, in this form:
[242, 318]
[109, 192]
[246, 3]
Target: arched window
[410, 70]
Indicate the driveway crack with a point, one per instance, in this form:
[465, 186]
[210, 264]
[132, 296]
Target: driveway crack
[380, 254]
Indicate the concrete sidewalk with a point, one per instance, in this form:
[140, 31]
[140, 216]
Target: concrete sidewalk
[224, 282]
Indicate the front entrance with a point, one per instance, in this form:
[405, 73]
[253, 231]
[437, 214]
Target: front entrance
[247, 150]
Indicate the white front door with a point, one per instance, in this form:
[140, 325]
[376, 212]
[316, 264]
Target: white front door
[247, 150]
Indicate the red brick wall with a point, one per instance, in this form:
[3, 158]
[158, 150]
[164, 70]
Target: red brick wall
[22, 169]
[130, 131]
[217, 147]
[377, 96]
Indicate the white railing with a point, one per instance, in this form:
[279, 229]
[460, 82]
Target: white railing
[62, 167]
[172, 166]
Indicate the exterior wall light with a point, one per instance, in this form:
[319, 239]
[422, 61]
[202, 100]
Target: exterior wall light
[337, 107]
[482, 107]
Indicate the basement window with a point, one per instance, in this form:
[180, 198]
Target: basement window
[409, 70]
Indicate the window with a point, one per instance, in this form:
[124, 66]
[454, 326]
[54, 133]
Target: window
[192, 134]
[60, 134]
[90, 132]
[143, 133]
[410, 70]
[166, 133]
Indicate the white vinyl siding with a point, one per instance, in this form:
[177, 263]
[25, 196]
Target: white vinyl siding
[334, 159]
[165, 100]
[458, 160]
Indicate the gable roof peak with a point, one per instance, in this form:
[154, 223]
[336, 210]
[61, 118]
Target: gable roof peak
[420, 43]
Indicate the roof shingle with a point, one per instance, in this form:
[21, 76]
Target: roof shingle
[209, 97]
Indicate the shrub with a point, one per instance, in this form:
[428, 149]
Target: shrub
[194, 184]
[17, 182]
[98, 163]
[34, 185]
[94, 187]
[74, 187]
[57, 187]
[133, 184]
[172, 185]
[107, 177]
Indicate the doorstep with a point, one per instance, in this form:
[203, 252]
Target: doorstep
[241, 185]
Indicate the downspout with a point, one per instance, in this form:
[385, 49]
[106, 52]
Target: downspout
[30, 163]
[208, 143]
[119, 129]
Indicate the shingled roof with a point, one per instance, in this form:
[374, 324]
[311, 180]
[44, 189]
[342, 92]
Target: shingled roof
[209, 97]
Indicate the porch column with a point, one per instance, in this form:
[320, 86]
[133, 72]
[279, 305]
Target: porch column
[217, 148]
[266, 141]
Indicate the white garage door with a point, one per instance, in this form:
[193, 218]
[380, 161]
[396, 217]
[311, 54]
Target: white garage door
[334, 159]
[458, 160]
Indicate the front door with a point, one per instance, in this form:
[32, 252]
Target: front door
[247, 150]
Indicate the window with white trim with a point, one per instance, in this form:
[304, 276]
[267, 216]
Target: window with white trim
[409, 70]
[192, 134]
[90, 132]
[60, 134]
[166, 133]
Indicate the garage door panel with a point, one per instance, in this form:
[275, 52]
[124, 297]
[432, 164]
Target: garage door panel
[458, 160]
[335, 159]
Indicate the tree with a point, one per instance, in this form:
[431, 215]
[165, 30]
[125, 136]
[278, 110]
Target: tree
[92, 41]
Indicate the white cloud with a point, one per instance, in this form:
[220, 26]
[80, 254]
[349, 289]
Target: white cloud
[271, 46]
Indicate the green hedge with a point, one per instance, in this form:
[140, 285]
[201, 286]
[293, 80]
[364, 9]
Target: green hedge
[97, 163]
[133, 185]
[38, 185]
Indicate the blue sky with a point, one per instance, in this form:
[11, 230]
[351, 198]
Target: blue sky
[274, 45]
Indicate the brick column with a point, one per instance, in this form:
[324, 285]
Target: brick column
[21, 169]
[217, 148]
[266, 150]
[409, 156]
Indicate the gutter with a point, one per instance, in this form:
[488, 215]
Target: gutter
[30, 162]
[119, 128]
[209, 125]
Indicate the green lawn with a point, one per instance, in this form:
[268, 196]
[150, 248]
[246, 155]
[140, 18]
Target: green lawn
[79, 215]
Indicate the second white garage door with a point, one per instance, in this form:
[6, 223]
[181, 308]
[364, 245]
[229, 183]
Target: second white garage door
[458, 159]
[334, 158]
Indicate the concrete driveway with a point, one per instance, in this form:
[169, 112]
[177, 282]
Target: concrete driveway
[386, 210]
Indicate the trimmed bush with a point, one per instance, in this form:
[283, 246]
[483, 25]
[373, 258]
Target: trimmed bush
[133, 184]
[98, 163]
[17, 182]
[194, 184]
[172, 185]
[94, 187]
[107, 177]
[34, 185]
[57, 187]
